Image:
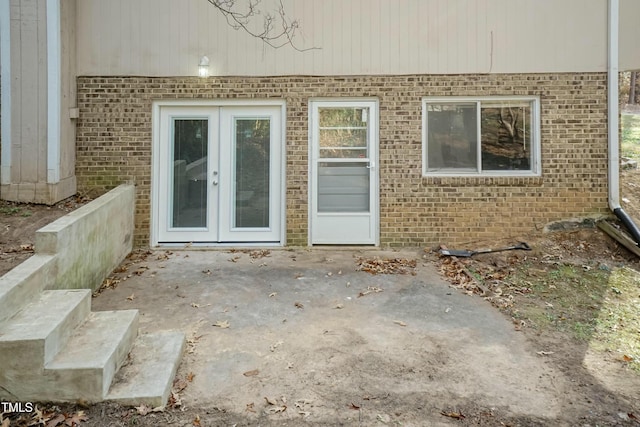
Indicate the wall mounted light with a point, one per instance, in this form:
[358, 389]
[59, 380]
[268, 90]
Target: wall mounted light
[203, 67]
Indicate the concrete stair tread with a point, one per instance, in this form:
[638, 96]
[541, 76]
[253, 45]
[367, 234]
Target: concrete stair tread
[38, 319]
[93, 343]
[148, 375]
[24, 282]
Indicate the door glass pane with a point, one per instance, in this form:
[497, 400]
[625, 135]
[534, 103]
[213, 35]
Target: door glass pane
[343, 187]
[343, 132]
[189, 198]
[252, 172]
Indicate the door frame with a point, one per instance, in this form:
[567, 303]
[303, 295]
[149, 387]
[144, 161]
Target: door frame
[156, 167]
[374, 147]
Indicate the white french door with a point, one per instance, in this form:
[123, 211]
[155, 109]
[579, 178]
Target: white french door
[218, 177]
[343, 199]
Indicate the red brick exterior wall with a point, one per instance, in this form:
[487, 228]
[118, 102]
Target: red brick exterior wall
[114, 146]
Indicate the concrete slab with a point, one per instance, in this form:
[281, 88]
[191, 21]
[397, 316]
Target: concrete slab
[306, 327]
[147, 376]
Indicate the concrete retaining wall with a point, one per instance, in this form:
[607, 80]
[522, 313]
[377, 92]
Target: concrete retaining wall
[90, 241]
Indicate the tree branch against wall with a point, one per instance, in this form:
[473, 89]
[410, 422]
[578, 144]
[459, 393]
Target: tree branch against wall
[277, 29]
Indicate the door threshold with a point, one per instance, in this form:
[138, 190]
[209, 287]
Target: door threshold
[210, 245]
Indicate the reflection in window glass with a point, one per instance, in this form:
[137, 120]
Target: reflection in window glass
[505, 128]
[189, 198]
[343, 132]
[506, 136]
[252, 173]
[452, 139]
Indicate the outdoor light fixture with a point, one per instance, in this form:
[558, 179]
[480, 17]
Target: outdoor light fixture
[203, 67]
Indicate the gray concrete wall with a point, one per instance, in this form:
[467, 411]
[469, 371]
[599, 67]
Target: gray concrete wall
[91, 241]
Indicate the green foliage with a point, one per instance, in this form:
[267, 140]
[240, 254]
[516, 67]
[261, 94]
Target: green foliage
[630, 136]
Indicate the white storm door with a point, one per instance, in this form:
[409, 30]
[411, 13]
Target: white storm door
[344, 178]
[188, 197]
[250, 174]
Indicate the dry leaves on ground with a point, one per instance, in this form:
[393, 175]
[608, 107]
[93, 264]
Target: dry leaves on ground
[387, 265]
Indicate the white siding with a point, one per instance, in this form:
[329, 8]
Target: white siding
[167, 37]
[629, 35]
[28, 91]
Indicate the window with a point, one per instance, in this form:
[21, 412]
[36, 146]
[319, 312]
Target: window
[488, 136]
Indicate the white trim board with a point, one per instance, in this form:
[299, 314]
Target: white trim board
[5, 85]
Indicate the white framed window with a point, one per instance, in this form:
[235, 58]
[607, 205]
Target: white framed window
[488, 136]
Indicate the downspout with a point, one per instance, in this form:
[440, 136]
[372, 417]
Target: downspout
[614, 122]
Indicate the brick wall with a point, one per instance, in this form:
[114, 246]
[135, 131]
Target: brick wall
[114, 146]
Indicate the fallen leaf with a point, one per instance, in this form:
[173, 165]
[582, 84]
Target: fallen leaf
[259, 253]
[456, 415]
[271, 401]
[544, 353]
[76, 419]
[131, 297]
[299, 305]
[190, 376]
[196, 421]
[627, 358]
[249, 407]
[194, 305]
[399, 322]
[354, 406]
[223, 324]
[56, 421]
[302, 402]
[339, 306]
[275, 410]
[143, 409]
[252, 373]
[370, 289]
[207, 272]
[273, 294]
[387, 266]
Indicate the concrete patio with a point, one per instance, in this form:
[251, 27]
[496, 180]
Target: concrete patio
[294, 334]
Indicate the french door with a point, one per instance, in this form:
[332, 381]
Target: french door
[219, 174]
[343, 200]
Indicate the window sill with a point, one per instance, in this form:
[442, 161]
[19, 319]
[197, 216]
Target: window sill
[483, 180]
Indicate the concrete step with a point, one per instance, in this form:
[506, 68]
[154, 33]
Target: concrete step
[24, 282]
[148, 375]
[94, 353]
[34, 335]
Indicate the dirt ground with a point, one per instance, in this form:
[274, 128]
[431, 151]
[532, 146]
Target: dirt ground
[566, 299]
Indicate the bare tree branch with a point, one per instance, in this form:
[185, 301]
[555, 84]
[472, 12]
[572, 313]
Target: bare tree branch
[270, 34]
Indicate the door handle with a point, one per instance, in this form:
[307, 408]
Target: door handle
[215, 182]
[371, 165]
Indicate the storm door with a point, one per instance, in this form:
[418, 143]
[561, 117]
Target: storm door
[344, 178]
[219, 177]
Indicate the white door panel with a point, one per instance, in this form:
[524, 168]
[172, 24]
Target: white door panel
[344, 179]
[251, 174]
[188, 206]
